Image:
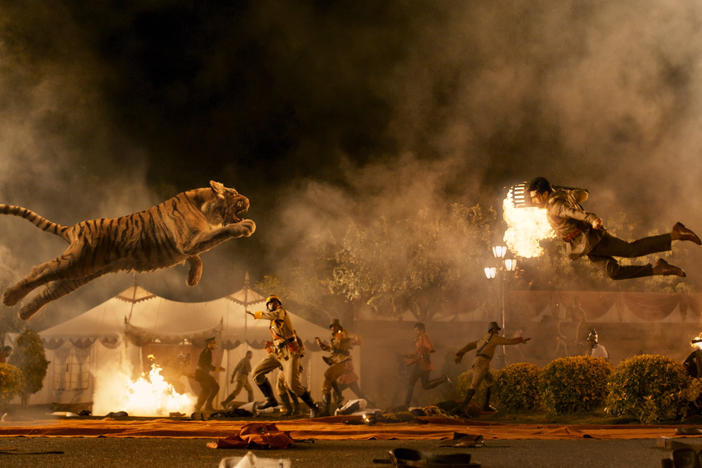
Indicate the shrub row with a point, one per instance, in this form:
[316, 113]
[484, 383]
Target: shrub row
[649, 388]
[11, 381]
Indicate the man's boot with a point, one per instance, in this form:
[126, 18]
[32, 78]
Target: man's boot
[197, 411]
[267, 391]
[463, 409]
[680, 232]
[666, 269]
[324, 408]
[339, 398]
[486, 406]
[295, 402]
[307, 398]
[469, 396]
[287, 406]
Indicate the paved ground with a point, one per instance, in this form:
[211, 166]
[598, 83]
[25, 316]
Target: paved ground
[154, 453]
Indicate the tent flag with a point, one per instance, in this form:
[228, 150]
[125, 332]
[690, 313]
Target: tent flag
[246, 295]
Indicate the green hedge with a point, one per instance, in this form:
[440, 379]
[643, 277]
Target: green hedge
[574, 384]
[11, 382]
[648, 387]
[517, 387]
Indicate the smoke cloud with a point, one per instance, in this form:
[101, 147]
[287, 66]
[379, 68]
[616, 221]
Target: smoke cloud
[330, 114]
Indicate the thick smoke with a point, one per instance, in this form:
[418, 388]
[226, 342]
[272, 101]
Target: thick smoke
[330, 113]
[596, 95]
[59, 155]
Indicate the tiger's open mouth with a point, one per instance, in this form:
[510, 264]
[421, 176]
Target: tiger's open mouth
[238, 210]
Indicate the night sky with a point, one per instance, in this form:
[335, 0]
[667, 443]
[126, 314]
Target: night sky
[109, 107]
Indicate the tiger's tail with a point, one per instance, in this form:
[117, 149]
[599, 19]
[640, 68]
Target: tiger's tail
[39, 221]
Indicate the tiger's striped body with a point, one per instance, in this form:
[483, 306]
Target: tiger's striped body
[164, 235]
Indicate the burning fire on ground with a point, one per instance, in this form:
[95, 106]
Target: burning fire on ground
[149, 395]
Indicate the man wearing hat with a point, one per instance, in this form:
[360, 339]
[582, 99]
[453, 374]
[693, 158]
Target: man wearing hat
[286, 353]
[485, 350]
[340, 346]
[208, 385]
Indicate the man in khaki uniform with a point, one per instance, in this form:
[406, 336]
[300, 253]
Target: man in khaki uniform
[241, 375]
[485, 350]
[288, 399]
[340, 346]
[286, 353]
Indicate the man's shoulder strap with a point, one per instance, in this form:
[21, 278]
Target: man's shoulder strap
[480, 350]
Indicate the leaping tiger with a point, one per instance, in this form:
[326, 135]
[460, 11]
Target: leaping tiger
[177, 230]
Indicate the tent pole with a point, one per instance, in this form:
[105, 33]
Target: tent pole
[131, 309]
[246, 305]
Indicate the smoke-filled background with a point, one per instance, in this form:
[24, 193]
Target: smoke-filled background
[335, 116]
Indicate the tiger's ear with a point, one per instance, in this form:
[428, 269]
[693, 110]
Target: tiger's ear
[218, 188]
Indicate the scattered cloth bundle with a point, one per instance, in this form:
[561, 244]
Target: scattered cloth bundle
[256, 436]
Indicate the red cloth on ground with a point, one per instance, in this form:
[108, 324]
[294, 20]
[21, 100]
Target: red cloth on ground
[334, 428]
[256, 436]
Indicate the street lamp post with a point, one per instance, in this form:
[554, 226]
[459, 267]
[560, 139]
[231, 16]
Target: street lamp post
[505, 265]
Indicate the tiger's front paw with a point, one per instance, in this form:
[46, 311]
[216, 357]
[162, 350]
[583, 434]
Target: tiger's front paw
[13, 295]
[244, 228]
[26, 312]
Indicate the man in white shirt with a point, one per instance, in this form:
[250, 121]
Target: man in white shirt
[596, 349]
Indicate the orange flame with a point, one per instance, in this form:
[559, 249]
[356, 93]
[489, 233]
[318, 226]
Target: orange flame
[156, 396]
[526, 226]
[147, 396]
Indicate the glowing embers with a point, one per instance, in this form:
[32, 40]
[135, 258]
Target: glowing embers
[526, 226]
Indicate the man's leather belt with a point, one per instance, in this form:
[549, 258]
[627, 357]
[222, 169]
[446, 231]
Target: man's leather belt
[285, 342]
[484, 356]
[572, 235]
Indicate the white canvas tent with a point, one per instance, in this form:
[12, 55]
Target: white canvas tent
[135, 322]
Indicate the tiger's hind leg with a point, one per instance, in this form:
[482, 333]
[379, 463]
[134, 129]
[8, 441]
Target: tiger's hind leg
[60, 267]
[52, 292]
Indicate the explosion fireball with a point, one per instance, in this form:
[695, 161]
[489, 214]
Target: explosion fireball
[526, 226]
